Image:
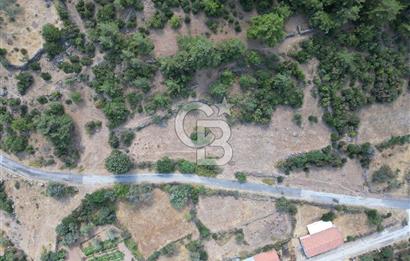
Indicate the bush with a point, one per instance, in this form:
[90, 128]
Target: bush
[75, 96]
[329, 216]
[118, 162]
[92, 127]
[318, 158]
[186, 167]
[175, 22]
[373, 217]
[6, 204]
[284, 205]
[46, 76]
[383, 174]
[58, 128]
[165, 165]
[59, 190]
[240, 176]
[127, 137]
[269, 27]
[59, 255]
[24, 81]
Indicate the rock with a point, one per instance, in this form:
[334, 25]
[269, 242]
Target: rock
[3, 92]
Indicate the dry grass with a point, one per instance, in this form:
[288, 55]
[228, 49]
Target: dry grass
[154, 226]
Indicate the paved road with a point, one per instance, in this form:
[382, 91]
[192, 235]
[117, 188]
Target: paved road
[366, 244]
[155, 178]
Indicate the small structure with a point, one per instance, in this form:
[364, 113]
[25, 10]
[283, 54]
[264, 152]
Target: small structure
[319, 226]
[321, 242]
[266, 256]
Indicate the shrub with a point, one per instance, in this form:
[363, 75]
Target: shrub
[92, 127]
[25, 80]
[58, 128]
[373, 217]
[329, 216]
[75, 96]
[6, 204]
[240, 176]
[313, 119]
[269, 27]
[118, 162]
[175, 22]
[59, 255]
[297, 119]
[59, 190]
[318, 158]
[46, 76]
[186, 167]
[165, 165]
[127, 137]
[383, 174]
[284, 205]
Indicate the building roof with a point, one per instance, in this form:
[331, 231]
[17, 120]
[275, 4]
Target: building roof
[319, 226]
[321, 242]
[266, 256]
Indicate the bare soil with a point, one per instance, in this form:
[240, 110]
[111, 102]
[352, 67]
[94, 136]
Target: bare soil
[156, 225]
[25, 32]
[36, 215]
[260, 221]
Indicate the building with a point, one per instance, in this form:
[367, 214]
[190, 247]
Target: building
[266, 256]
[321, 242]
[319, 226]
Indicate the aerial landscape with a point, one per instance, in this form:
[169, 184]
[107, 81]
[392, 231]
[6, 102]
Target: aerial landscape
[220, 130]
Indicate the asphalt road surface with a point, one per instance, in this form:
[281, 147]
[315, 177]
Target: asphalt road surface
[155, 178]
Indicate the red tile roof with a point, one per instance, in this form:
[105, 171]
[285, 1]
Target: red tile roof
[267, 256]
[321, 242]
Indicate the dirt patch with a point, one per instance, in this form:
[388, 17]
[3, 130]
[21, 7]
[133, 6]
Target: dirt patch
[36, 216]
[380, 121]
[398, 159]
[154, 226]
[259, 220]
[25, 32]
[306, 215]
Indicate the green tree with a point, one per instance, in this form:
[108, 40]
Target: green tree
[175, 22]
[118, 162]
[165, 165]
[269, 27]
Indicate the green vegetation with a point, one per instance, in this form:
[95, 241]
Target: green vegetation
[126, 138]
[165, 165]
[60, 191]
[59, 255]
[374, 218]
[92, 127]
[326, 157]
[24, 81]
[196, 53]
[53, 40]
[363, 152]
[393, 141]
[196, 250]
[175, 22]
[240, 176]
[269, 27]
[6, 204]
[118, 162]
[10, 252]
[328, 216]
[58, 128]
[181, 195]
[284, 205]
[398, 251]
[360, 64]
